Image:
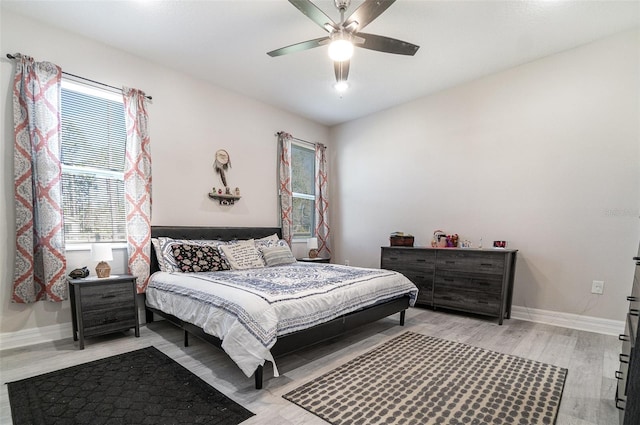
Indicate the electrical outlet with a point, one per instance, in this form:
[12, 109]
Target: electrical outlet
[597, 287]
[346, 262]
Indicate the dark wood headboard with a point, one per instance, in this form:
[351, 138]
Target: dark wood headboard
[211, 233]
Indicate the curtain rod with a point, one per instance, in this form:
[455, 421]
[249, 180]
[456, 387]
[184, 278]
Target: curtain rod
[10, 56]
[299, 140]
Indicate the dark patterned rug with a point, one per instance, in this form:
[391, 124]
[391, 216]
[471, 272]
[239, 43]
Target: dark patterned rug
[417, 379]
[140, 387]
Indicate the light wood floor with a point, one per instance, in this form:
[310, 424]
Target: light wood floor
[591, 359]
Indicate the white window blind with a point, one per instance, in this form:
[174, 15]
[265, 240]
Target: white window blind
[93, 152]
[303, 170]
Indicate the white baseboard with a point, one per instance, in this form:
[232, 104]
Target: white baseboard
[568, 320]
[33, 336]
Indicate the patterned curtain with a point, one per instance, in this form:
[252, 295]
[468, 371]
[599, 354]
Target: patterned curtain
[322, 202]
[137, 186]
[284, 188]
[40, 263]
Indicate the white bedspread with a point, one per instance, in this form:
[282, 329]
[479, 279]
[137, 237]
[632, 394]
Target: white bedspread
[249, 309]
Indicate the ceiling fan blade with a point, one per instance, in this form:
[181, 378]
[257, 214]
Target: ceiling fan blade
[367, 12]
[305, 45]
[341, 70]
[315, 14]
[387, 44]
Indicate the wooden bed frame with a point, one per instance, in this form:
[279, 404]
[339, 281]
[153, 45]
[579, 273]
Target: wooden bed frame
[285, 344]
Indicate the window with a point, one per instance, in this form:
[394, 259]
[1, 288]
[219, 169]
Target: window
[303, 171]
[93, 151]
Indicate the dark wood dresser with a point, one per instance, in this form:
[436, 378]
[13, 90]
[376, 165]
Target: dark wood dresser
[103, 305]
[628, 374]
[473, 280]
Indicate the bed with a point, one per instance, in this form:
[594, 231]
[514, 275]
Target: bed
[266, 332]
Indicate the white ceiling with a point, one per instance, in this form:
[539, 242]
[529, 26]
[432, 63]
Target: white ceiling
[225, 42]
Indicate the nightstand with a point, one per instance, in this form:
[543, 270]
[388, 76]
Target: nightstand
[314, 260]
[103, 305]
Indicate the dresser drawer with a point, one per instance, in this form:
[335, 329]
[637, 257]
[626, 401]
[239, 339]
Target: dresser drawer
[474, 302]
[471, 261]
[100, 297]
[408, 260]
[424, 282]
[454, 281]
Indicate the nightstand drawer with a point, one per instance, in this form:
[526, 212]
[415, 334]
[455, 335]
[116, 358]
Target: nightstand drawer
[109, 320]
[102, 296]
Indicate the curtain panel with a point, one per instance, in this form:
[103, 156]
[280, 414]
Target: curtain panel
[40, 263]
[322, 202]
[284, 185]
[137, 186]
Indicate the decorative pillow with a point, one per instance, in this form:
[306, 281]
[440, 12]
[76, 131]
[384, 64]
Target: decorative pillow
[194, 258]
[267, 239]
[166, 260]
[242, 255]
[277, 255]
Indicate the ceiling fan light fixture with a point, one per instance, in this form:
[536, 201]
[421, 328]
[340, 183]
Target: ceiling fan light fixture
[340, 50]
[341, 86]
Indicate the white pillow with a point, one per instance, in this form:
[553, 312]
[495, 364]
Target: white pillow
[277, 255]
[267, 240]
[242, 255]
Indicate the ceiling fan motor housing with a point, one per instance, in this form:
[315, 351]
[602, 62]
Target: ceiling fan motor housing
[342, 5]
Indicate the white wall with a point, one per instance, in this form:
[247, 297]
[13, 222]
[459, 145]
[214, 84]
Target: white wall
[545, 156]
[189, 121]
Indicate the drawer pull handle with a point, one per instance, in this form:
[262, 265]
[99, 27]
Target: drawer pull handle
[108, 296]
[619, 400]
[483, 302]
[624, 358]
[450, 262]
[447, 279]
[419, 277]
[109, 320]
[634, 312]
[636, 258]
[421, 260]
[619, 375]
[623, 337]
[486, 265]
[393, 258]
[632, 298]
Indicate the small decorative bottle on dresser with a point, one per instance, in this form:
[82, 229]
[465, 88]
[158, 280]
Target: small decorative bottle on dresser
[103, 305]
[628, 374]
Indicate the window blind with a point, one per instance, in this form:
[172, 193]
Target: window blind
[93, 153]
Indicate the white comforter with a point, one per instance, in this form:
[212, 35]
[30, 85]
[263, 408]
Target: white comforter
[249, 309]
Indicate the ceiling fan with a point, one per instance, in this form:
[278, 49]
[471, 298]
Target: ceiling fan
[344, 35]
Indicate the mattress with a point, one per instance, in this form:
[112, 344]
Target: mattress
[249, 309]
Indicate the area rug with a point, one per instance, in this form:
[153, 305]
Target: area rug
[140, 387]
[417, 379]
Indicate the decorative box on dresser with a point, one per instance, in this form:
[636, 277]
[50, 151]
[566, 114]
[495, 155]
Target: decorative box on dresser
[628, 374]
[473, 280]
[103, 305]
